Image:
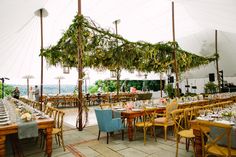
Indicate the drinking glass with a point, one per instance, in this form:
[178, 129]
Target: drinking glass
[201, 113]
[215, 110]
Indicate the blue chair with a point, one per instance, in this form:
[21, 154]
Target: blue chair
[108, 124]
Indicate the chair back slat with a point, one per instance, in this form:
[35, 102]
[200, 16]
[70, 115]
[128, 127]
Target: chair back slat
[188, 116]
[178, 119]
[217, 133]
[169, 108]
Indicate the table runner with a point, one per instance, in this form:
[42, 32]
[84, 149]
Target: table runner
[27, 129]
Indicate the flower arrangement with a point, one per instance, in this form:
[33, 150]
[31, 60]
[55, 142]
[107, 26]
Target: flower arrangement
[129, 106]
[26, 117]
[163, 101]
[227, 114]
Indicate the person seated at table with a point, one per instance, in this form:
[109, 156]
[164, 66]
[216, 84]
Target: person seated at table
[16, 93]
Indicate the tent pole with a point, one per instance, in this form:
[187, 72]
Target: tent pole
[161, 84]
[174, 52]
[41, 50]
[79, 121]
[59, 85]
[27, 87]
[217, 61]
[118, 68]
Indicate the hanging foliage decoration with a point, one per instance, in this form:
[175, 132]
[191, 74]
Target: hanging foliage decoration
[106, 50]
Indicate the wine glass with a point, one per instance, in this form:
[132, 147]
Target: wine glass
[215, 110]
[201, 113]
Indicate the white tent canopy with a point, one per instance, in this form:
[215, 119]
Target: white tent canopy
[195, 22]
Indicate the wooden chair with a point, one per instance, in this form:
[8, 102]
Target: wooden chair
[57, 130]
[166, 120]
[179, 118]
[196, 111]
[145, 124]
[217, 133]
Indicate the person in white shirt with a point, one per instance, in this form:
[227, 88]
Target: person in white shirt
[31, 93]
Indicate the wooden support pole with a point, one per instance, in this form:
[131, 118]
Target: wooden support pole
[174, 52]
[217, 61]
[41, 50]
[79, 122]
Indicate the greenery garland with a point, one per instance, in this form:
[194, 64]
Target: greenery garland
[105, 50]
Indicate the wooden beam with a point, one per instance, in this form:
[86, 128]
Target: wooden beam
[174, 52]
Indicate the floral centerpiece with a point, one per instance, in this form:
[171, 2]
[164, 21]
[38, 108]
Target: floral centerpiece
[25, 115]
[227, 114]
[129, 106]
[163, 101]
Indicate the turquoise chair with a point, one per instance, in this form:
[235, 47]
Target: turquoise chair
[108, 124]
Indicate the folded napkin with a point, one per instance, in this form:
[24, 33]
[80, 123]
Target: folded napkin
[27, 129]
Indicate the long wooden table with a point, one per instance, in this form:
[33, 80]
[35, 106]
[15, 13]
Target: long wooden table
[130, 115]
[46, 124]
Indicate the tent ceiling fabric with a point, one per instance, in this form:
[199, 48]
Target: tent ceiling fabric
[150, 21]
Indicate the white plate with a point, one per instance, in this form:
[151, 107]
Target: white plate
[225, 122]
[161, 106]
[205, 118]
[120, 109]
[4, 120]
[5, 123]
[3, 116]
[117, 107]
[150, 107]
[136, 109]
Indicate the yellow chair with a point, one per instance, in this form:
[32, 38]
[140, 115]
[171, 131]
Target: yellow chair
[58, 117]
[145, 124]
[166, 120]
[181, 118]
[196, 111]
[211, 147]
[58, 129]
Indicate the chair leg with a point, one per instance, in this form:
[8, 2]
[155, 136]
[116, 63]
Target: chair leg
[154, 131]
[99, 132]
[144, 135]
[62, 141]
[192, 141]
[57, 141]
[173, 130]
[123, 135]
[177, 144]
[187, 144]
[165, 132]
[107, 137]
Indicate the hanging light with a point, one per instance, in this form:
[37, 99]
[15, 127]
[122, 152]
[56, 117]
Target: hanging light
[145, 76]
[113, 73]
[139, 74]
[132, 70]
[66, 69]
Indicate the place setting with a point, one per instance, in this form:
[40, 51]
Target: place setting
[4, 119]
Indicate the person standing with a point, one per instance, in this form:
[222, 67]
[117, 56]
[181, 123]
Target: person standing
[31, 93]
[16, 93]
[36, 93]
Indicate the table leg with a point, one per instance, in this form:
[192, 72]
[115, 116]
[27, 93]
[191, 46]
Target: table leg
[2, 145]
[49, 142]
[198, 143]
[130, 128]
